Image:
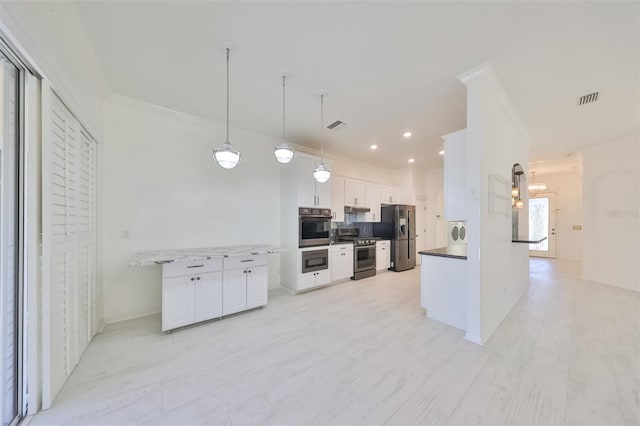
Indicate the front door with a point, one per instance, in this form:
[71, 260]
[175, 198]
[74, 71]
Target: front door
[542, 223]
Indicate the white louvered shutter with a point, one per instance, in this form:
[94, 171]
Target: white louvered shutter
[71, 236]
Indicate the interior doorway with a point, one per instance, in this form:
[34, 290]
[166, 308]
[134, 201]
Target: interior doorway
[542, 223]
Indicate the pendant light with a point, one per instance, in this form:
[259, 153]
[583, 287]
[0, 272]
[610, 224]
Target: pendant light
[226, 157]
[283, 152]
[321, 174]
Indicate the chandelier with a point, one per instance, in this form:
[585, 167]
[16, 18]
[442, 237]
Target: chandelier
[535, 188]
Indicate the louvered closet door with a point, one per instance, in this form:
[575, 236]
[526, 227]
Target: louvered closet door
[72, 240]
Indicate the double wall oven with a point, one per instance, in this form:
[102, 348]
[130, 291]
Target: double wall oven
[314, 227]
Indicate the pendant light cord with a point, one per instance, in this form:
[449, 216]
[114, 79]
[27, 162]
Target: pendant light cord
[322, 129]
[227, 95]
[283, 105]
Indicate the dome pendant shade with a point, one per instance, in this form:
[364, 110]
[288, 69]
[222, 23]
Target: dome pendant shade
[321, 174]
[283, 153]
[226, 157]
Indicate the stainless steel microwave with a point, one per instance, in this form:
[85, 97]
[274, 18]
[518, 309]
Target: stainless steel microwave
[314, 227]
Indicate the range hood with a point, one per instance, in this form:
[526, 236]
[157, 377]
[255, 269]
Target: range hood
[352, 209]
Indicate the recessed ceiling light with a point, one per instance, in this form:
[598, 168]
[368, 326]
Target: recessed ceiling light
[407, 134]
[374, 146]
[411, 160]
[441, 152]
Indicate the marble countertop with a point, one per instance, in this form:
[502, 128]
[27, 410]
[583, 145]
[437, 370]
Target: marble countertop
[158, 257]
[455, 252]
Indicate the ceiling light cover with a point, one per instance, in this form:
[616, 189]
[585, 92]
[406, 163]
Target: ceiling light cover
[226, 157]
[412, 160]
[283, 153]
[441, 152]
[407, 134]
[374, 146]
[321, 174]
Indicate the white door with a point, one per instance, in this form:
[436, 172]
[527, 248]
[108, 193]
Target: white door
[234, 291]
[208, 296]
[178, 296]
[372, 198]
[323, 194]
[421, 227]
[257, 286]
[542, 223]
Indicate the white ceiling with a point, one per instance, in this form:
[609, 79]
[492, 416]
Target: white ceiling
[387, 67]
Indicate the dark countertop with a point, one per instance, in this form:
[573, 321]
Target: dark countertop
[523, 241]
[455, 252]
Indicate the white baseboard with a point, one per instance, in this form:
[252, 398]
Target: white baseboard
[474, 339]
[130, 316]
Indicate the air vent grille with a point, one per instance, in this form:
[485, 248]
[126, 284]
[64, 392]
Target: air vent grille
[336, 125]
[587, 99]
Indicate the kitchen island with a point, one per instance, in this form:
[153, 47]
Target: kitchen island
[205, 283]
[443, 285]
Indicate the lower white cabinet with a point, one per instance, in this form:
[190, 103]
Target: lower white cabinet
[310, 280]
[198, 291]
[383, 255]
[341, 261]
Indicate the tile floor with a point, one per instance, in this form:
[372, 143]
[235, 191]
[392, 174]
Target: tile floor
[363, 353]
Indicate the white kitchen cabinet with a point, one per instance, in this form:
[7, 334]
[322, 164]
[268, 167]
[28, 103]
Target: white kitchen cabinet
[178, 297]
[207, 298]
[354, 193]
[389, 195]
[337, 199]
[455, 176]
[341, 262]
[311, 280]
[257, 286]
[383, 255]
[372, 200]
[312, 193]
[234, 291]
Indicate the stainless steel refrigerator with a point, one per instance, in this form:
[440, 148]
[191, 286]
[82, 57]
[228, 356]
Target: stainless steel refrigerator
[398, 223]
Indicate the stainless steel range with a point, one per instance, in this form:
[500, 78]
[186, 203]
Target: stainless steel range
[364, 253]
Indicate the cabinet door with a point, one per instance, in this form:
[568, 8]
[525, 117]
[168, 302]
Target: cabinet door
[455, 176]
[234, 291]
[337, 199]
[372, 199]
[257, 286]
[306, 183]
[348, 264]
[395, 196]
[337, 266]
[208, 299]
[178, 298]
[385, 195]
[354, 193]
[323, 194]
[323, 277]
[306, 281]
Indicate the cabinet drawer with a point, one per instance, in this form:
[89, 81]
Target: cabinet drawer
[383, 243]
[176, 269]
[236, 262]
[341, 247]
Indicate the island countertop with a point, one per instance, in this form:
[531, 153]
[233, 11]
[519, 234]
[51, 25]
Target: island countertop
[159, 257]
[455, 252]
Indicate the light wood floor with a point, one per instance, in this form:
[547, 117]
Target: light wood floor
[363, 353]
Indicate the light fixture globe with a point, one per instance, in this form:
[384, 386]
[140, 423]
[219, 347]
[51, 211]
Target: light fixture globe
[321, 174]
[283, 153]
[226, 157]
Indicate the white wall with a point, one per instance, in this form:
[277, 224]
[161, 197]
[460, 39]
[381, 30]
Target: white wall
[567, 189]
[498, 270]
[436, 225]
[54, 38]
[162, 187]
[610, 195]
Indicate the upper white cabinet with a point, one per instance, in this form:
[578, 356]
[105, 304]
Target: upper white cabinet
[372, 200]
[337, 199]
[311, 193]
[455, 175]
[354, 193]
[389, 195]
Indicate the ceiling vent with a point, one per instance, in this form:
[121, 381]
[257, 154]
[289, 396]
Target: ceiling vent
[336, 125]
[587, 99]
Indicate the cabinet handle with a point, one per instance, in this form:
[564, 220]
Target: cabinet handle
[247, 260]
[198, 278]
[195, 266]
[244, 272]
[249, 270]
[192, 278]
